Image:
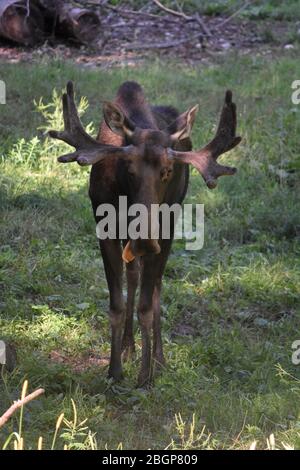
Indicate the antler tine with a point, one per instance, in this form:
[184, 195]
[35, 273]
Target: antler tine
[73, 118]
[205, 159]
[225, 139]
[73, 133]
[66, 116]
[88, 150]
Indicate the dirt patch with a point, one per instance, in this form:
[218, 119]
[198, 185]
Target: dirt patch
[78, 364]
[127, 41]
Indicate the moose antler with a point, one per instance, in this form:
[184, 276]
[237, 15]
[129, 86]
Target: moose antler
[205, 159]
[88, 150]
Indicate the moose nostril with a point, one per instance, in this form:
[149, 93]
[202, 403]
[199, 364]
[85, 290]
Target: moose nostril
[82, 161]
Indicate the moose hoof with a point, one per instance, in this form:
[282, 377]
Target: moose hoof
[116, 375]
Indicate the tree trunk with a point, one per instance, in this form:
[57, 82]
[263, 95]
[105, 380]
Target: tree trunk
[79, 24]
[21, 21]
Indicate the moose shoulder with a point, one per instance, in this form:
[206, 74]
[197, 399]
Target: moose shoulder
[141, 152]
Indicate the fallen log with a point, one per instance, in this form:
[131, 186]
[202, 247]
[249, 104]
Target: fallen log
[21, 21]
[28, 22]
[79, 24]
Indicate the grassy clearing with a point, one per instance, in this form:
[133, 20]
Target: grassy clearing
[257, 9]
[231, 311]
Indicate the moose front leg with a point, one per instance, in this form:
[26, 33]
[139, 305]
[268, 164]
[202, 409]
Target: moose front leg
[132, 274]
[113, 265]
[145, 317]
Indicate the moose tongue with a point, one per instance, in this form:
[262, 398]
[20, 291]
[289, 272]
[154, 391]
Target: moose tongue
[127, 254]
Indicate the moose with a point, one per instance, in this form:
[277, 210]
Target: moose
[142, 152]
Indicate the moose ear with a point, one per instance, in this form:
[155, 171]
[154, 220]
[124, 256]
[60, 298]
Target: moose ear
[116, 120]
[184, 124]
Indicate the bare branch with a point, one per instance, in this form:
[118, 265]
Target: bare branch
[131, 12]
[181, 14]
[18, 404]
[203, 25]
[172, 12]
[229, 18]
[163, 45]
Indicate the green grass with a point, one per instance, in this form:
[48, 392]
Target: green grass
[256, 9]
[231, 310]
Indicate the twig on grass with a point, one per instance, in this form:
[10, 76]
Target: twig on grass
[181, 14]
[229, 18]
[18, 404]
[163, 45]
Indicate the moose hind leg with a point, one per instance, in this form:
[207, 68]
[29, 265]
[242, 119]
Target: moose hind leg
[145, 316]
[158, 355]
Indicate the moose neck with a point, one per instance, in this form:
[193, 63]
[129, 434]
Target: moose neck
[131, 100]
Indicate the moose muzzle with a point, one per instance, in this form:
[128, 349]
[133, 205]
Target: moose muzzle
[140, 248]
